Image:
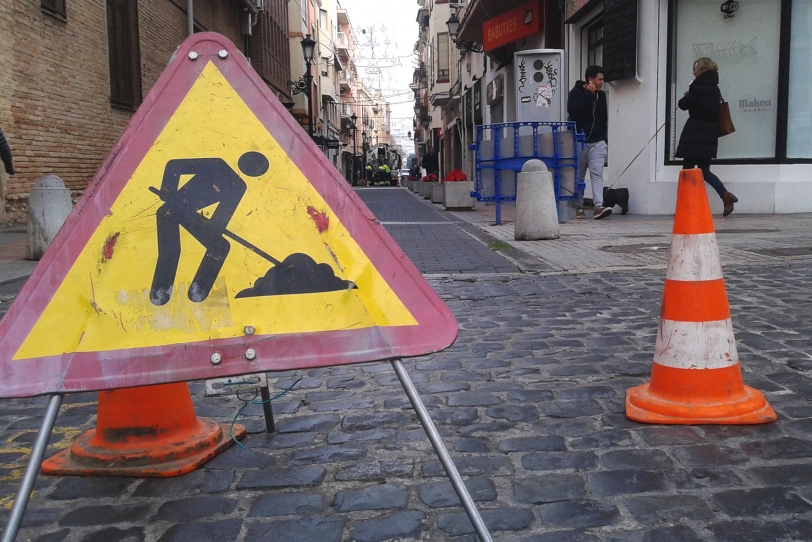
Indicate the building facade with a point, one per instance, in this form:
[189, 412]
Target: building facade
[74, 71]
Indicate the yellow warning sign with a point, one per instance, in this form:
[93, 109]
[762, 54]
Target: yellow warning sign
[216, 230]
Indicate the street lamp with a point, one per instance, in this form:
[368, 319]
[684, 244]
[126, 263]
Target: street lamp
[354, 128]
[453, 24]
[304, 85]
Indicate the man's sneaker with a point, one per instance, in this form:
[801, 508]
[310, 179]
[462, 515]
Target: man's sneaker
[602, 212]
[579, 213]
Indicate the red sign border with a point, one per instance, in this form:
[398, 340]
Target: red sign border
[86, 371]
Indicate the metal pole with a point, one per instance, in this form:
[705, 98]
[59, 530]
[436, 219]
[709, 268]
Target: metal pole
[309, 101]
[32, 469]
[190, 16]
[267, 409]
[437, 442]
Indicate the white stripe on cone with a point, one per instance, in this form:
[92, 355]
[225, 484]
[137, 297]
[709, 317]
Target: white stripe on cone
[694, 257]
[696, 345]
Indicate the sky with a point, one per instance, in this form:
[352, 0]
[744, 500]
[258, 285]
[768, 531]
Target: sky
[385, 55]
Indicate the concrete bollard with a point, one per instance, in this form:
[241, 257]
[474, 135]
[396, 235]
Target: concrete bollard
[49, 205]
[536, 211]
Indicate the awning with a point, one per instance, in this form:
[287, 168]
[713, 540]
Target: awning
[483, 10]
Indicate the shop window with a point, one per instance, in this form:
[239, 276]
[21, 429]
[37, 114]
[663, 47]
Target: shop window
[745, 46]
[799, 119]
[55, 7]
[443, 71]
[594, 40]
[123, 52]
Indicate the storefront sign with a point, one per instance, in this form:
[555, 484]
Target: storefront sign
[511, 26]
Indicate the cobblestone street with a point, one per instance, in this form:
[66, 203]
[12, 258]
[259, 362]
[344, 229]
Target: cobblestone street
[529, 401]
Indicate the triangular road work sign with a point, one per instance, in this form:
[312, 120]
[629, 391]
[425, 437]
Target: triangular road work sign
[215, 240]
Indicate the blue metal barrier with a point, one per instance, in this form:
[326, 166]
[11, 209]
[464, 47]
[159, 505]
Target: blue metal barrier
[502, 149]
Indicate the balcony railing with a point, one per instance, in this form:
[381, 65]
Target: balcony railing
[342, 41]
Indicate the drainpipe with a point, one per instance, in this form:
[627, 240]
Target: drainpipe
[190, 17]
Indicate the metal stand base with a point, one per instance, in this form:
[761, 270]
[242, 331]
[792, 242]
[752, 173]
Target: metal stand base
[32, 469]
[265, 393]
[442, 453]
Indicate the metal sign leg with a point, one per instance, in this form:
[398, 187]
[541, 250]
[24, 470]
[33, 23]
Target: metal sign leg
[265, 393]
[442, 453]
[32, 469]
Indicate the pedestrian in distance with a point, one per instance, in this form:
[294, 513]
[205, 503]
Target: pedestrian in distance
[430, 162]
[5, 154]
[699, 140]
[586, 105]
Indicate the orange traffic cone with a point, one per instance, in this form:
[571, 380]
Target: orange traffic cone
[696, 377]
[149, 431]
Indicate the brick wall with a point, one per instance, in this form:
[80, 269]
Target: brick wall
[55, 88]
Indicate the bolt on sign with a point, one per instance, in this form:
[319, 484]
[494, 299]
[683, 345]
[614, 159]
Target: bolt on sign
[213, 214]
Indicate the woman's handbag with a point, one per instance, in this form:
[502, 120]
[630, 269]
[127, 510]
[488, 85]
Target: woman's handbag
[724, 123]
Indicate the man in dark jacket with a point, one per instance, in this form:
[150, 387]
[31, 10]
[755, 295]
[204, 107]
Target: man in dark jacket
[5, 154]
[586, 106]
[430, 162]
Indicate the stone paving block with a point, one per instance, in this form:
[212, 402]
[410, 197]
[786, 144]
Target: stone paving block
[379, 497]
[205, 531]
[549, 488]
[709, 455]
[566, 428]
[377, 435]
[472, 445]
[675, 533]
[473, 399]
[237, 458]
[578, 514]
[37, 517]
[443, 495]
[472, 466]
[671, 435]
[642, 459]
[114, 534]
[603, 439]
[103, 515]
[761, 501]
[192, 508]
[454, 416]
[377, 470]
[562, 536]
[405, 524]
[794, 475]
[513, 413]
[500, 519]
[478, 428]
[704, 477]
[341, 405]
[571, 409]
[762, 431]
[329, 529]
[375, 420]
[747, 531]
[443, 387]
[278, 478]
[620, 482]
[782, 448]
[276, 441]
[668, 509]
[559, 460]
[327, 454]
[285, 504]
[74, 487]
[198, 481]
[584, 393]
[56, 536]
[306, 424]
[551, 443]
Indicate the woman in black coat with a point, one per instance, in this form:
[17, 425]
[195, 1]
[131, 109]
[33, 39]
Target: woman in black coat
[700, 136]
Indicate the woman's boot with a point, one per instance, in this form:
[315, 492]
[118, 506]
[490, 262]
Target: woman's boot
[728, 199]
